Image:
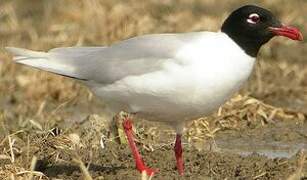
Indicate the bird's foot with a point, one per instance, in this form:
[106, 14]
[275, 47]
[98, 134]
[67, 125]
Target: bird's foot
[149, 171]
[140, 165]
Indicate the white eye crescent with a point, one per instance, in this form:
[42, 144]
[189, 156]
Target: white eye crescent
[253, 18]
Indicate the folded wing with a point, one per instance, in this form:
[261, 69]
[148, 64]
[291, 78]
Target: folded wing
[105, 65]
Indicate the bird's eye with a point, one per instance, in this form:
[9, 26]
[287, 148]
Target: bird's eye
[253, 18]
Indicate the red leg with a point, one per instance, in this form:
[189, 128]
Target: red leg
[127, 124]
[178, 154]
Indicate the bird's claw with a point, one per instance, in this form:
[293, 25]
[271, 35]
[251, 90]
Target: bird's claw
[148, 173]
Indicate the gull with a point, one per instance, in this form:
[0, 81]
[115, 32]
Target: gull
[171, 78]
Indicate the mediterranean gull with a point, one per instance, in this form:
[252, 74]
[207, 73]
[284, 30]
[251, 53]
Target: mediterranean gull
[172, 78]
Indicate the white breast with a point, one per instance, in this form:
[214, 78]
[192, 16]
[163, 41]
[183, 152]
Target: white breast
[203, 76]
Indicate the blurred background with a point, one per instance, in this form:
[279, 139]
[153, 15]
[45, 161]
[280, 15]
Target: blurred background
[34, 102]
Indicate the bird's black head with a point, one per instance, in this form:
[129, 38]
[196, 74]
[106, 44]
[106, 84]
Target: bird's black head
[252, 26]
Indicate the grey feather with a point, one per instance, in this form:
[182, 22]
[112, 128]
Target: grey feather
[135, 56]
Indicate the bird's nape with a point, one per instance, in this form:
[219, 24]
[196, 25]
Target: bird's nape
[251, 27]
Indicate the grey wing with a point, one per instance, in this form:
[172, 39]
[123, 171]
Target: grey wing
[105, 65]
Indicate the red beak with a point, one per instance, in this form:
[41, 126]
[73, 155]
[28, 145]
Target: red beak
[287, 31]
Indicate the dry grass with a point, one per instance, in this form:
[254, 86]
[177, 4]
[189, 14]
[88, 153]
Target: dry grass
[34, 102]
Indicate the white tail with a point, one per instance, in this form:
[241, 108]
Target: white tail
[53, 61]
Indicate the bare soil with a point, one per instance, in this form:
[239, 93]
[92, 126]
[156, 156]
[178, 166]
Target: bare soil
[257, 153]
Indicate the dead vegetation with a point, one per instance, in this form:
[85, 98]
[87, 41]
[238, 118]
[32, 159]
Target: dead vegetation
[33, 103]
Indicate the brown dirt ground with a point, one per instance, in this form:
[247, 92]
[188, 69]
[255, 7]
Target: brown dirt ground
[55, 154]
[256, 135]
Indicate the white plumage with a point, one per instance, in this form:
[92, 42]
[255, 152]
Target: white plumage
[166, 77]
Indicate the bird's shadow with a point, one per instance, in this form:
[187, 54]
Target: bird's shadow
[53, 170]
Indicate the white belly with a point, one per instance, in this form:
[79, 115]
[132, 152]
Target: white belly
[175, 95]
[194, 85]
